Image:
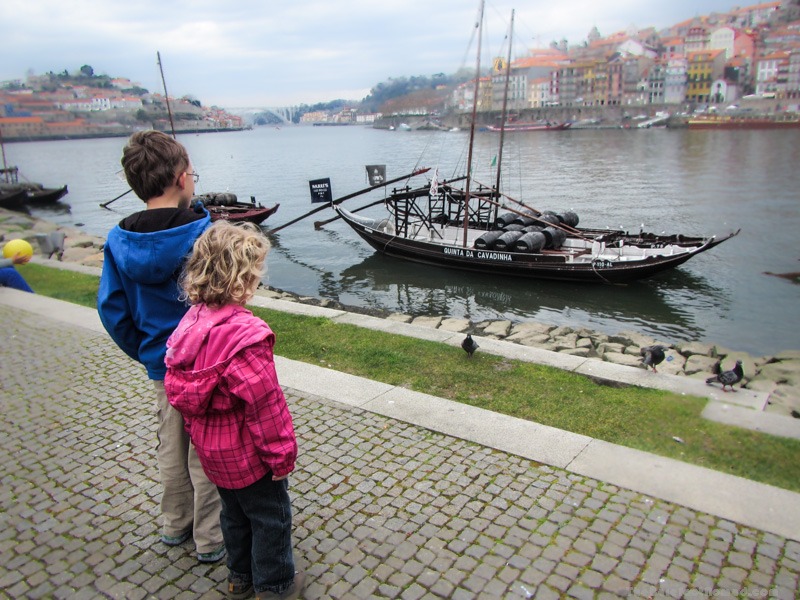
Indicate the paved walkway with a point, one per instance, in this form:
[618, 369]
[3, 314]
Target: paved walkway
[396, 494]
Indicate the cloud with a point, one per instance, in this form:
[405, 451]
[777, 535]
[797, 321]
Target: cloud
[292, 52]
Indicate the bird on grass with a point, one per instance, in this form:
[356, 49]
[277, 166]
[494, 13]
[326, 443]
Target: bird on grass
[727, 378]
[652, 356]
[469, 345]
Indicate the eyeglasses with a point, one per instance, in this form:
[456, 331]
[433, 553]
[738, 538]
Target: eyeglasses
[193, 174]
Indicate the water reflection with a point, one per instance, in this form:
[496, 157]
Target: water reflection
[48, 211]
[657, 307]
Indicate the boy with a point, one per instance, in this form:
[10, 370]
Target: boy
[139, 307]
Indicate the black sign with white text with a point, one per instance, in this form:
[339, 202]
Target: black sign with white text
[321, 190]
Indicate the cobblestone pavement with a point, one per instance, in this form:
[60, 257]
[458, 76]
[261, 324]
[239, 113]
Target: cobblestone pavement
[383, 509]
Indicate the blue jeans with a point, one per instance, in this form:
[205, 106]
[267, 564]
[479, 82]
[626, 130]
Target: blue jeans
[257, 529]
[10, 278]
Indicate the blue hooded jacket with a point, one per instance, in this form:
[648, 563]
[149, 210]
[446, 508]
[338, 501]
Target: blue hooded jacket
[138, 295]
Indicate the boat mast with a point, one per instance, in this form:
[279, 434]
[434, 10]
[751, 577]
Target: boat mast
[166, 95]
[472, 124]
[505, 103]
[3, 148]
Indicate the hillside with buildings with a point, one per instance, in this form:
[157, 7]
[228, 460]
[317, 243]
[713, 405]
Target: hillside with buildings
[83, 105]
[748, 53]
[713, 59]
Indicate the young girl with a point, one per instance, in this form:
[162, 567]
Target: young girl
[221, 378]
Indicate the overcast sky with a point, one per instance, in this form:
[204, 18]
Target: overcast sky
[258, 53]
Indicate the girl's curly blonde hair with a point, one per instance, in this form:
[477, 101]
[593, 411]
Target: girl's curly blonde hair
[226, 265]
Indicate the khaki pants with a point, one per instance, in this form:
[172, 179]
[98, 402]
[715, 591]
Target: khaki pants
[190, 501]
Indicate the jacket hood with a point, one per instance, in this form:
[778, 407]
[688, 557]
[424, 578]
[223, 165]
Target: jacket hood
[153, 258]
[207, 336]
[199, 350]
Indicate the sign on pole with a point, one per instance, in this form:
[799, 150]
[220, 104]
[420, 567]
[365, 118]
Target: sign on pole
[321, 190]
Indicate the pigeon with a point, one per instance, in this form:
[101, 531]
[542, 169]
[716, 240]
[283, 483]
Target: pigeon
[652, 356]
[728, 378]
[469, 345]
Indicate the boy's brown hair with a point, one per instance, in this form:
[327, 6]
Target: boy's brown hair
[152, 161]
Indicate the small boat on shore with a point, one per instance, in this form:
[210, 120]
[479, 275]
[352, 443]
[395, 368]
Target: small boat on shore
[226, 206]
[32, 194]
[13, 199]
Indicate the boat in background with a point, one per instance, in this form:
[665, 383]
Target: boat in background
[226, 206]
[523, 126]
[784, 121]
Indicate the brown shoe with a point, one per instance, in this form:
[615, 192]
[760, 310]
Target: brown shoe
[291, 593]
[240, 591]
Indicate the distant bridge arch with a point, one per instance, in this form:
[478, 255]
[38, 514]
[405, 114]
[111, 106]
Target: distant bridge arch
[285, 114]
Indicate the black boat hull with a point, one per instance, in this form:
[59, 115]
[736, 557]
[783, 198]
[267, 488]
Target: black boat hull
[551, 266]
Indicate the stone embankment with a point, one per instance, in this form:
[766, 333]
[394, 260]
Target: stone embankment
[777, 375]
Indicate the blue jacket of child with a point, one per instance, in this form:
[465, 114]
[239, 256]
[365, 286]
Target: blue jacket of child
[138, 299]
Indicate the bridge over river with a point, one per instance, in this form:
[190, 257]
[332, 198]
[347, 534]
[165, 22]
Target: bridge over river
[252, 115]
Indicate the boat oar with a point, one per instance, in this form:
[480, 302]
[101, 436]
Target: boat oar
[348, 196]
[319, 224]
[105, 204]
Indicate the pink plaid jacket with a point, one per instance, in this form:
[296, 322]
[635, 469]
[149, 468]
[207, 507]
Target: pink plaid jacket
[221, 377]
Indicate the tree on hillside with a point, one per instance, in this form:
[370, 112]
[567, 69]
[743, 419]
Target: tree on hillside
[136, 91]
[427, 100]
[403, 86]
[87, 71]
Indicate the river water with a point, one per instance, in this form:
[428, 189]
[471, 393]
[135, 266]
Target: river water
[678, 181]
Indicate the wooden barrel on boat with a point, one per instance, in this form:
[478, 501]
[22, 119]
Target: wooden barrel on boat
[549, 216]
[487, 240]
[530, 242]
[553, 237]
[568, 217]
[514, 227]
[504, 219]
[507, 239]
[533, 228]
[524, 220]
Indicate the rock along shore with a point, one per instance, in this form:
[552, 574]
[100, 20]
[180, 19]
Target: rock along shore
[777, 375]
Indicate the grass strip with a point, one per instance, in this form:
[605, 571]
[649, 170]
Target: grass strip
[640, 418]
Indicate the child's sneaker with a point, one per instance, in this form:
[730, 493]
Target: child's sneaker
[175, 540]
[212, 556]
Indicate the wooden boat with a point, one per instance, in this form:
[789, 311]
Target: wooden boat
[743, 122]
[429, 229]
[12, 199]
[443, 225]
[226, 206]
[34, 193]
[523, 126]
